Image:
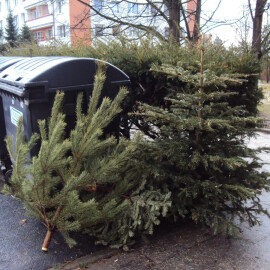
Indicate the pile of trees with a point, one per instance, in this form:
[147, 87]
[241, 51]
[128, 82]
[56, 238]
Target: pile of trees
[192, 161]
[198, 106]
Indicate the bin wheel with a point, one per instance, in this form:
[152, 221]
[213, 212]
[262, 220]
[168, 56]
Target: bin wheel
[7, 176]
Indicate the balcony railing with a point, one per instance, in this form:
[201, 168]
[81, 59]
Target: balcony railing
[30, 20]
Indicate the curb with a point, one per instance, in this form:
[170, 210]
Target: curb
[88, 259]
[264, 130]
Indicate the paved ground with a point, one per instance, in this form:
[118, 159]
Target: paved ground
[20, 243]
[186, 246]
[190, 247]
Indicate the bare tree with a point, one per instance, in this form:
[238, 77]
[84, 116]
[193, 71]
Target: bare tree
[257, 20]
[165, 19]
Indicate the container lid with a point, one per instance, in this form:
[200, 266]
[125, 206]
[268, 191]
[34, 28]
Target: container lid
[56, 73]
[6, 61]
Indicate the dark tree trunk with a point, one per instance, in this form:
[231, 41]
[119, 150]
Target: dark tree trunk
[174, 19]
[257, 27]
[197, 25]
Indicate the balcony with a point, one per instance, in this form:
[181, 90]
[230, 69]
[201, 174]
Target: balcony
[33, 3]
[41, 22]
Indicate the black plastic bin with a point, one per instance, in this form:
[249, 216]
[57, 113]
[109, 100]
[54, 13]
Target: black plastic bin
[28, 87]
[5, 62]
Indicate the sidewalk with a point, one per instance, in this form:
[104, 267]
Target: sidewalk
[183, 247]
[190, 247]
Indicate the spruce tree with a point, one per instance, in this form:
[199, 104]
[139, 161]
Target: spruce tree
[201, 149]
[11, 30]
[26, 35]
[88, 181]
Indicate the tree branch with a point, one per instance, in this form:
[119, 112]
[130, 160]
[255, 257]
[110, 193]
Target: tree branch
[250, 10]
[212, 15]
[185, 20]
[148, 29]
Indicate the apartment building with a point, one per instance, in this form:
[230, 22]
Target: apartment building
[69, 20]
[63, 20]
[135, 12]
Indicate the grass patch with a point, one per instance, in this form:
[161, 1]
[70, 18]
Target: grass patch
[265, 109]
[266, 88]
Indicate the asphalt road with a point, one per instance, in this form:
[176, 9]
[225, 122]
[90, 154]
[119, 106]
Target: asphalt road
[20, 242]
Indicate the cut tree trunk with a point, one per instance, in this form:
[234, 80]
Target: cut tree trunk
[47, 240]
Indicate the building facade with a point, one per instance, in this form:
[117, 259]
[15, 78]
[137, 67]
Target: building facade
[49, 20]
[69, 21]
[136, 12]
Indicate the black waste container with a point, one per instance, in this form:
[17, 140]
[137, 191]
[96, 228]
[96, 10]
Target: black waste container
[5, 62]
[28, 87]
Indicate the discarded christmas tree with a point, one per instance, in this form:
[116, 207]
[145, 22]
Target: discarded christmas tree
[88, 181]
[201, 149]
[50, 184]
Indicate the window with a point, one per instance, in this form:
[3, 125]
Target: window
[98, 5]
[147, 9]
[45, 10]
[133, 8]
[115, 7]
[23, 18]
[1, 30]
[61, 31]
[99, 30]
[60, 6]
[38, 12]
[49, 34]
[0, 6]
[32, 14]
[15, 3]
[166, 11]
[38, 35]
[7, 4]
[16, 20]
[153, 11]
[116, 30]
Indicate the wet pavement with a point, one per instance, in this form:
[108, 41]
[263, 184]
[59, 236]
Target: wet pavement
[191, 247]
[21, 238]
[186, 247]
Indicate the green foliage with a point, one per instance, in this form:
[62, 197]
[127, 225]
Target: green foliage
[26, 35]
[195, 164]
[148, 86]
[88, 181]
[11, 31]
[201, 149]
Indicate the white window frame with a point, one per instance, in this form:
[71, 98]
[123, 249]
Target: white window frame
[38, 36]
[114, 6]
[98, 5]
[61, 31]
[133, 8]
[99, 30]
[23, 18]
